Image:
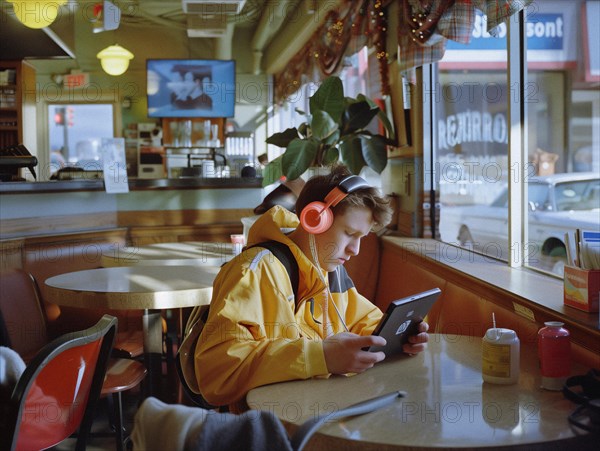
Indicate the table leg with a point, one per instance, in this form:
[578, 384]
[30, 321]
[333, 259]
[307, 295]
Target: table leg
[152, 322]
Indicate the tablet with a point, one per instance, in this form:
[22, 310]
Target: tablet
[401, 320]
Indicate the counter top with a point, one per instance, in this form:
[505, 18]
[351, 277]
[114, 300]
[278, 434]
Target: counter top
[134, 185]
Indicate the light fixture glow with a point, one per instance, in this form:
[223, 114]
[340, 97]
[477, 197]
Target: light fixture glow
[36, 13]
[114, 59]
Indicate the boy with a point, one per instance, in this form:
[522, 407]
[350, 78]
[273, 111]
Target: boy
[257, 333]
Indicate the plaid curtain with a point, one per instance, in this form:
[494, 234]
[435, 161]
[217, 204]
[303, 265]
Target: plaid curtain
[425, 25]
[423, 29]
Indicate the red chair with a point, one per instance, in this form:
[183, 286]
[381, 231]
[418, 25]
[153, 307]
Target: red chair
[25, 323]
[58, 391]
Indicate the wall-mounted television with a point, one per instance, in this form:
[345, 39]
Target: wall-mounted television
[190, 88]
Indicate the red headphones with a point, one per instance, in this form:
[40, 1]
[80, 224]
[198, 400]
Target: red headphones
[317, 216]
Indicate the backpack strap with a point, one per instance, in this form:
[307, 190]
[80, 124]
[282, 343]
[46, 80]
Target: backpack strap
[185, 355]
[287, 259]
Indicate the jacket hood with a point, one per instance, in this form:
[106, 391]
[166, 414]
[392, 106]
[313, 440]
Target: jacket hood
[268, 226]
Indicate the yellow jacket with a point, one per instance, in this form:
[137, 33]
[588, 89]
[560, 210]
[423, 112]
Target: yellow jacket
[256, 334]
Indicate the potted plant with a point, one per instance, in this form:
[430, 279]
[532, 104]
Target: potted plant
[335, 131]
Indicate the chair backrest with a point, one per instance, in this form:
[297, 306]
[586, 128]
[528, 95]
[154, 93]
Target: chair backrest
[58, 391]
[21, 310]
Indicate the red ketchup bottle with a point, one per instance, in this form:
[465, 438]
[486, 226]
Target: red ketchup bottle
[554, 351]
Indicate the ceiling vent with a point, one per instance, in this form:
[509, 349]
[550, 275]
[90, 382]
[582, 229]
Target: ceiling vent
[205, 26]
[212, 7]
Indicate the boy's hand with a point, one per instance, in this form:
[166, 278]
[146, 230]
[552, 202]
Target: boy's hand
[344, 353]
[417, 343]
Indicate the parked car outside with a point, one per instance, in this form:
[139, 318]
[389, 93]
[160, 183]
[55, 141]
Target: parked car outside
[558, 204]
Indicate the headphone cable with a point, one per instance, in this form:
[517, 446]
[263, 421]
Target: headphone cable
[327, 292]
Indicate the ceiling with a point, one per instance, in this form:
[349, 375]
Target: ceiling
[156, 29]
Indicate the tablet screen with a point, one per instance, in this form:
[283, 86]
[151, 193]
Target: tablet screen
[401, 320]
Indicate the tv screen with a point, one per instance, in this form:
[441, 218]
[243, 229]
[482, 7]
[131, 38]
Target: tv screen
[190, 88]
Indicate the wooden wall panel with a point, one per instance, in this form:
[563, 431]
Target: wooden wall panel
[11, 254]
[181, 217]
[60, 224]
[139, 236]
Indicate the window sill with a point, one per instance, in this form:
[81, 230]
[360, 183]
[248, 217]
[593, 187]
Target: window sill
[530, 294]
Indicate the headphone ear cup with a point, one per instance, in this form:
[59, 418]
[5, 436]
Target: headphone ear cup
[316, 217]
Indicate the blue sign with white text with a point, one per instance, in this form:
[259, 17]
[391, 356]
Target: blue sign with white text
[543, 32]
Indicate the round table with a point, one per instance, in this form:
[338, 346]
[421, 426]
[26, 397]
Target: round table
[447, 405]
[147, 288]
[134, 287]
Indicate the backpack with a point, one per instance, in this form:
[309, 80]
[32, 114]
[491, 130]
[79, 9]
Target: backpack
[199, 316]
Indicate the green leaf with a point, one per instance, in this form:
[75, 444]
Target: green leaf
[283, 139]
[374, 151]
[298, 157]
[332, 139]
[351, 154]
[329, 98]
[272, 172]
[323, 126]
[364, 150]
[381, 115]
[364, 98]
[357, 116]
[332, 155]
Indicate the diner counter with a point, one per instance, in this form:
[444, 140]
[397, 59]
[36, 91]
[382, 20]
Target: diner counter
[83, 205]
[135, 184]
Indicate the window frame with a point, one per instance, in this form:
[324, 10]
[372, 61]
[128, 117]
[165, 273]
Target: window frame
[520, 169]
[70, 97]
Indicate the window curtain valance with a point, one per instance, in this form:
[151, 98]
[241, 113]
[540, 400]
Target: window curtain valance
[344, 31]
[423, 28]
[425, 25]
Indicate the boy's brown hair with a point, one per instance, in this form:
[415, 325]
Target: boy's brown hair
[319, 186]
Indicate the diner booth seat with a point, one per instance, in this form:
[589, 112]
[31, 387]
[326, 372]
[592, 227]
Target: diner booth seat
[459, 310]
[384, 271]
[464, 307]
[50, 258]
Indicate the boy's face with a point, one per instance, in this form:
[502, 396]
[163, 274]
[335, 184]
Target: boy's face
[342, 240]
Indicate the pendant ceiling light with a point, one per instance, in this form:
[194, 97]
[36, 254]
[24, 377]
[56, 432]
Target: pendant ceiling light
[115, 59]
[36, 13]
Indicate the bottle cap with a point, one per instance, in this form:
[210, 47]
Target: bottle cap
[498, 333]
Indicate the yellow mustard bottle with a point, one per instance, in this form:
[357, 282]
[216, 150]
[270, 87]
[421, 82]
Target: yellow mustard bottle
[500, 356]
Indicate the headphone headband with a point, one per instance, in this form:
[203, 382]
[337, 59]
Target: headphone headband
[353, 183]
[348, 185]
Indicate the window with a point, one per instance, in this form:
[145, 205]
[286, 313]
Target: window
[471, 154]
[75, 132]
[557, 170]
[561, 139]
